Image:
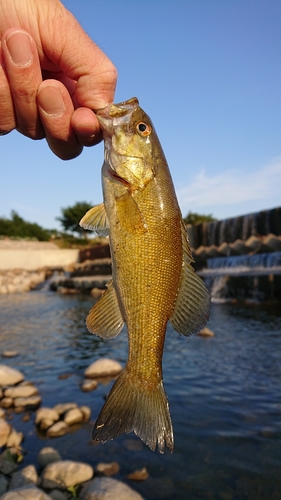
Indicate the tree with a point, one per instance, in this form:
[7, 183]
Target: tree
[71, 217]
[18, 227]
[194, 218]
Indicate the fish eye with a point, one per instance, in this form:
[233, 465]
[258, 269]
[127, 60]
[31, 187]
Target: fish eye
[144, 129]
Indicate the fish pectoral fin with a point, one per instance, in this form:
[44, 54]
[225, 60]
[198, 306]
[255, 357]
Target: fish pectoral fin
[192, 307]
[96, 220]
[105, 318]
[129, 212]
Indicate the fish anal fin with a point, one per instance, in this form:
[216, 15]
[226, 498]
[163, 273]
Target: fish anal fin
[105, 318]
[134, 406]
[96, 220]
[193, 303]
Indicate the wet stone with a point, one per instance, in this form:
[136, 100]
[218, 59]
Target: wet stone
[139, 475]
[21, 391]
[32, 402]
[6, 403]
[58, 429]
[103, 367]
[48, 455]
[108, 469]
[66, 473]
[10, 376]
[63, 407]
[89, 385]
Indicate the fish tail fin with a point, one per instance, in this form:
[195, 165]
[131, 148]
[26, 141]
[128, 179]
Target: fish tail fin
[135, 406]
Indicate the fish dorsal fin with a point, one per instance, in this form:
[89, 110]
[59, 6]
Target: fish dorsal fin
[192, 307]
[96, 220]
[105, 318]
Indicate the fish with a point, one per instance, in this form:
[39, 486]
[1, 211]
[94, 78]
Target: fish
[153, 280]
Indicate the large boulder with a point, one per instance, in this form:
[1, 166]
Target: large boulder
[5, 430]
[10, 376]
[66, 473]
[29, 492]
[106, 488]
[23, 477]
[48, 455]
[21, 391]
[103, 367]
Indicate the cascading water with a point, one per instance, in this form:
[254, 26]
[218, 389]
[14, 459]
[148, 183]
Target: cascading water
[230, 230]
[259, 262]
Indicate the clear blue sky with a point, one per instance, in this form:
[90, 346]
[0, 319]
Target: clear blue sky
[208, 72]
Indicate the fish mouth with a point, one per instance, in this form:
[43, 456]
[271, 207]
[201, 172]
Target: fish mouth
[117, 110]
[113, 113]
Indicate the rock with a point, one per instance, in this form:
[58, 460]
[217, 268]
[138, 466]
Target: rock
[27, 475]
[63, 407]
[59, 495]
[224, 249]
[9, 354]
[29, 492]
[206, 332]
[253, 243]
[32, 402]
[238, 248]
[272, 242]
[73, 416]
[14, 439]
[66, 473]
[103, 368]
[108, 469]
[46, 424]
[6, 402]
[212, 251]
[97, 292]
[58, 429]
[2, 413]
[139, 475]
[48, 455]
[106, 488]
[200, 253]
[4, 483]
[10, 376]
[20, 391]
[89, 385]
[86, 412]
[5, 430]
[45, 413]
[7, 466]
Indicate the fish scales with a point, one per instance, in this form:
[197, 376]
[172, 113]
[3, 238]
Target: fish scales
[153, 280]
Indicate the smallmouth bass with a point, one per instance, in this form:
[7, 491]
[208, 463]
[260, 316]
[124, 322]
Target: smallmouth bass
[153, 281]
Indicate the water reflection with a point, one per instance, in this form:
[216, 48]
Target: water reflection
[224, 395]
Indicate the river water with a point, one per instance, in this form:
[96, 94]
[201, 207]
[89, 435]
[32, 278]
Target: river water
[224, 395]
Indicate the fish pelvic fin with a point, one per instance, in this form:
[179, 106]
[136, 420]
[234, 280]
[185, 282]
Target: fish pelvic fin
[105, 318]
[193, 303]
[136, 407]
[96, 220]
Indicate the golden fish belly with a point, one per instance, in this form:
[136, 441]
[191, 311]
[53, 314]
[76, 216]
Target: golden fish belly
[147, 264]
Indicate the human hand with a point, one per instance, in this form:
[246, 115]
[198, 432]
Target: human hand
[52, 76]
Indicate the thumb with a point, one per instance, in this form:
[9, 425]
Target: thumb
[71, 50]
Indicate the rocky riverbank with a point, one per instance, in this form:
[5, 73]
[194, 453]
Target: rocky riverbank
[21, 280]
[50, 477]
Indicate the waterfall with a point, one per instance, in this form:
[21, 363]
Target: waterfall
[232, 229]
[262, 260]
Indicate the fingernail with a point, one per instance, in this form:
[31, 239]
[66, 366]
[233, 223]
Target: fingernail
[51, 101]
[19, 47]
